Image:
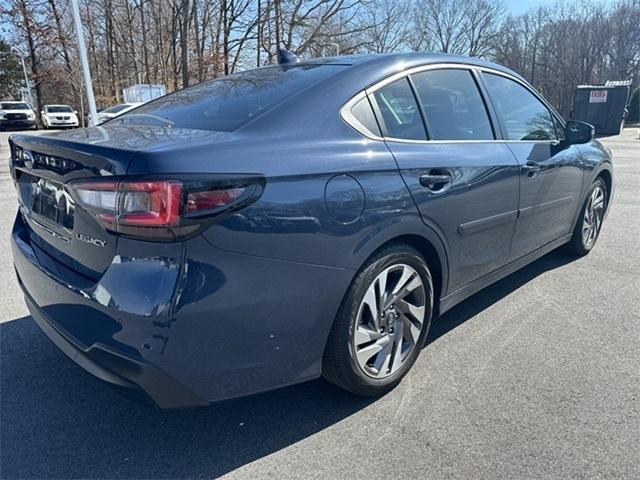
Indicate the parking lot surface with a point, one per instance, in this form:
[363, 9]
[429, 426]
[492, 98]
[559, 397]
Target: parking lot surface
[537, 376]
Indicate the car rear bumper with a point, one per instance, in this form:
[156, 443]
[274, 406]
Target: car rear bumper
[50, 301]
[228, 325]
[118, 369]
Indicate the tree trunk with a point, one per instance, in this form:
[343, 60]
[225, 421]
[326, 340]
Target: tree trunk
[184, 44]
[145, 50]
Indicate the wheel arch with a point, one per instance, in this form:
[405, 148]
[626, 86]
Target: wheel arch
[604, 171]
[432, 250]
[605, 174]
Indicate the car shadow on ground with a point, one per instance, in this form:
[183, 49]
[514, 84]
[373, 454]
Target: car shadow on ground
[492, 294]
[58, 421]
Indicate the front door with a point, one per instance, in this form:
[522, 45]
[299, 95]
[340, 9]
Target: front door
[551, 172]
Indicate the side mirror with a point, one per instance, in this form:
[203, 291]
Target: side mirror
[579, 132]
[41, 112]
[76, 112]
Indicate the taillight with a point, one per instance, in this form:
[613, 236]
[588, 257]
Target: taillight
[209, 199]
[162, 209]
[149, 204]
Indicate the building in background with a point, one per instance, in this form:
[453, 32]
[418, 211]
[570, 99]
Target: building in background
[143, 92]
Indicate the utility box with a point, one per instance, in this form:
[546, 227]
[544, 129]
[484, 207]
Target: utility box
[603, 106]
[143, 92]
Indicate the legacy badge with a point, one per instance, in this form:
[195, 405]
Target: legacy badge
[93, 241]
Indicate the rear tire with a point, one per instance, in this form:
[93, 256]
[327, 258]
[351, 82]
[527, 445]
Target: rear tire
[589, 224]
[382, 323]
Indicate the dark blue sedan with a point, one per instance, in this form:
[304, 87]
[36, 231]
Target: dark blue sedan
[293, 221]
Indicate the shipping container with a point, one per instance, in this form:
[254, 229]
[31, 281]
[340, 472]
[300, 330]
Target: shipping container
[603, 106]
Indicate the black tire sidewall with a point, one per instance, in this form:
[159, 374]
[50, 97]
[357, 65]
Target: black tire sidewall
[598, 182]
[414, 260]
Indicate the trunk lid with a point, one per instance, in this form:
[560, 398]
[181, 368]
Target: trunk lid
[61, 227]
[42, 167]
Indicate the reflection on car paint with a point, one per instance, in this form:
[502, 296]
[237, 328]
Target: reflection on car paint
[153, 279]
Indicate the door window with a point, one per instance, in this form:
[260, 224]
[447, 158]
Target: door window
[524, 116]
[453, 107]
[399, 111]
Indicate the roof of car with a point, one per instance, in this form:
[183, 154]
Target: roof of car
[411, 59]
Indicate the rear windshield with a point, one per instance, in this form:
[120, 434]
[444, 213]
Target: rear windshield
[228, 103]
[59, 109]
[14, 106]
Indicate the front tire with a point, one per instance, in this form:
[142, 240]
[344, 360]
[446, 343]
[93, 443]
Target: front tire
[382, 323]
[589, 224]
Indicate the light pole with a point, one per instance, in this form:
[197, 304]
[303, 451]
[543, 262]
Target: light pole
[84, 63]
[24, 72]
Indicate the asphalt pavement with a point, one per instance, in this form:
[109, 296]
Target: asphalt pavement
[537, 376]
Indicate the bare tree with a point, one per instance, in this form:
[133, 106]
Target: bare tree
[179, 42]
[464, 27]
[388, 26]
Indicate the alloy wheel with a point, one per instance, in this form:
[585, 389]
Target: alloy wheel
[389, 321]
[593, 215]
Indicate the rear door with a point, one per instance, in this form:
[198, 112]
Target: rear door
[464, 182]
[551, 172]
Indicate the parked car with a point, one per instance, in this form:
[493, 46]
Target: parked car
[296, 220]
[15, 115]
[112, 112]
[59, 116]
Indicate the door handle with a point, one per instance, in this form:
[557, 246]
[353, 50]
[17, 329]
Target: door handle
[436, 182]
[531, 168]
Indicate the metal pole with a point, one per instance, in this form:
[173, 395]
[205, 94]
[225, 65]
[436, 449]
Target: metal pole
[26, 80]
[84, 63]
[82, 109]
[24, 72]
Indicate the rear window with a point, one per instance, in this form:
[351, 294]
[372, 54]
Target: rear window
[14, 106]
[230, 102]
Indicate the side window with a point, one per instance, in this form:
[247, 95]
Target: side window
[363, 113]
[523, 115]
[399, 111]
[453, 107]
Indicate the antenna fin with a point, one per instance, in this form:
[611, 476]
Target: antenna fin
[285, 57]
